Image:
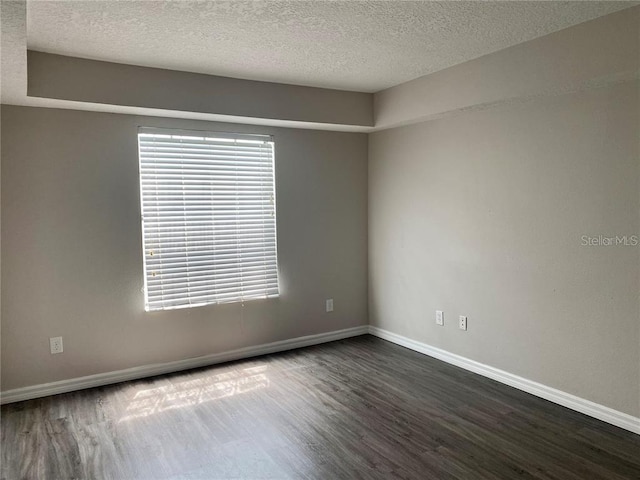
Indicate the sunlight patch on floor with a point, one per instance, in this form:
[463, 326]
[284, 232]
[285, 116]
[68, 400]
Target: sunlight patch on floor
[152, 401]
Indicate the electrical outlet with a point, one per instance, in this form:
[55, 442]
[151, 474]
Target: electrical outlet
[329, 305]
[439, 317]
[56, 345]
[463, 322]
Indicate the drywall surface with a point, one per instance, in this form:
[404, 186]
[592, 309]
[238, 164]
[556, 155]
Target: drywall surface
[72, 248]
[486, 214]
[600, 52]
[78, 79]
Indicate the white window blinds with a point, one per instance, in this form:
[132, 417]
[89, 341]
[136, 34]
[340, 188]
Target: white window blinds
[208, 218]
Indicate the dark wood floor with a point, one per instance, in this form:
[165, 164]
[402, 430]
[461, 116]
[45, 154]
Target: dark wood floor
[358, 408]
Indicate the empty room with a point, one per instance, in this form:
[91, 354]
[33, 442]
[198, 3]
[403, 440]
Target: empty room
[282, 239]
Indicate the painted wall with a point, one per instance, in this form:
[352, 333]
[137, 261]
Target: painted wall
[72, 255]
[78, 79]
[483, 215]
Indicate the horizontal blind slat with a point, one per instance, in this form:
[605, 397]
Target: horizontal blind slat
[203, 232]
[177, 267]
[156, 283]
[206, 287]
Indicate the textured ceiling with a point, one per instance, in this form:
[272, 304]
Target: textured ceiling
[351, 45]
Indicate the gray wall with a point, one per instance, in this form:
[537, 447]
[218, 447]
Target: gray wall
[72, 255]
[482, 215]
[82, 80]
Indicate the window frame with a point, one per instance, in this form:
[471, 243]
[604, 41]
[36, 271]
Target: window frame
[204, 134]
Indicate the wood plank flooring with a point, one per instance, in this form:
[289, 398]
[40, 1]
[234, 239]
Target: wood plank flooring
[360, 408]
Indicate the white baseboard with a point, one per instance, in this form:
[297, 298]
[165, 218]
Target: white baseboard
[606, 414]
[100, 379]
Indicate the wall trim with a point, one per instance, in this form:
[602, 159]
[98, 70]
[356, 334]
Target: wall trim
[143, 371]
[587, 407]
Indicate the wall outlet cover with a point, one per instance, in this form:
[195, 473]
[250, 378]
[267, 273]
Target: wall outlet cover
[55, 343]
[329, 305]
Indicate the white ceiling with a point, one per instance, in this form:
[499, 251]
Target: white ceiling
[352, 45]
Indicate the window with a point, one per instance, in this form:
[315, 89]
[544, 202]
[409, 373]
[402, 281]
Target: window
[208, 218]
